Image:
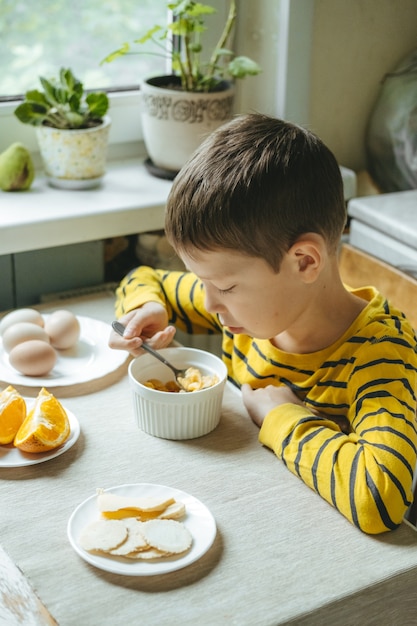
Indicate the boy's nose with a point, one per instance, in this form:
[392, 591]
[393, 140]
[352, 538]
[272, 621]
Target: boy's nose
[212, 305]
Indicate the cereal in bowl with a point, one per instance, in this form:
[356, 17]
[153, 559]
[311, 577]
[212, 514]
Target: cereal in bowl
[193, 380]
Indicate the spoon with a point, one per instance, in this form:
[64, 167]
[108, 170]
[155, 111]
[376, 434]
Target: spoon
[120, 329]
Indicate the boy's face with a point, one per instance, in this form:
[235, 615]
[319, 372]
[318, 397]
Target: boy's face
[249, 297]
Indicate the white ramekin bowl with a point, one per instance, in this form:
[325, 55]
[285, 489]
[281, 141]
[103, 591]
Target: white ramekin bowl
[176, 415]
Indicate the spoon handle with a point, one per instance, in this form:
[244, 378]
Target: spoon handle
[120, 329]
[159, 356]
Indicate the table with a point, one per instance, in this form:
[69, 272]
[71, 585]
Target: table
[281, 556]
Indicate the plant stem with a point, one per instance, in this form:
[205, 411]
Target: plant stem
[182, 70]
[222, 41]
[189, 65]
[56, 120]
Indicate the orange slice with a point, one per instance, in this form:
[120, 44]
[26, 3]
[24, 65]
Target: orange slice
[46, 426]
[12, 414]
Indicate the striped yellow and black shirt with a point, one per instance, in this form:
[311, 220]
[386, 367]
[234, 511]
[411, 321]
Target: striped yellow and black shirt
[368, 376]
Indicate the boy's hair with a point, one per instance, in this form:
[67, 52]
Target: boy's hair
[255, 185]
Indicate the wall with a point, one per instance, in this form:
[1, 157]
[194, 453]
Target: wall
[327, 75]
[355, 43]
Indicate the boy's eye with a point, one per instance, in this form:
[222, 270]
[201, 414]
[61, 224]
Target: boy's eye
[225, 291]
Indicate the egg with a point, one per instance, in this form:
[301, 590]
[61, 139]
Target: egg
[21, 315]
[63, 329]
[33, 358]
[20, 332]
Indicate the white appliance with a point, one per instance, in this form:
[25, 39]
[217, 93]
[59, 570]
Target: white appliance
[386, 226]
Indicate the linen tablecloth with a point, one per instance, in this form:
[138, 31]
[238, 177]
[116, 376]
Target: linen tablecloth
[281, 555]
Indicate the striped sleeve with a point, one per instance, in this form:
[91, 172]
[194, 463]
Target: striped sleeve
[366, 474]
[181, 293]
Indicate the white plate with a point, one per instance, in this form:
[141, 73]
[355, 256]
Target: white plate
[13, 457]
[90, 359]
[198, 520]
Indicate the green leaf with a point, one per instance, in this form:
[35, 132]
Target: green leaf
[61, 95]
[195, 48]
[74, 102]
[31, 113]
[207, 83]
[67, 79]
[116, 54]
[69, 84]
[180, 28]
[194, 9]
[149, 35]
[201, 9]
[224, 52]
[49, 90]
[242, 66]
[98, 104]
[36, 96]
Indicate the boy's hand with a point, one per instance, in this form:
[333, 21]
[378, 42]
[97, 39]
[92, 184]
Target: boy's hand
[259, 402]
[150, 323]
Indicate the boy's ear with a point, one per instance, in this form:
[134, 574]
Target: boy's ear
[308, 253]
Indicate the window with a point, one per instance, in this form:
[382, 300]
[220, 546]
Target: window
[277, 34]
[38, 37]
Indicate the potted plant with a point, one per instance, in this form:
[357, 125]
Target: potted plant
[180, 109]
[72, 130]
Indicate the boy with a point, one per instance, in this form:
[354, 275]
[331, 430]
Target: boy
[328, 374]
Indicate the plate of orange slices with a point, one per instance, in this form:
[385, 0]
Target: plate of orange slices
[32, 430]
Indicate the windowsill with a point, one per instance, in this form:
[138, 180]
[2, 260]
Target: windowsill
[128, 201]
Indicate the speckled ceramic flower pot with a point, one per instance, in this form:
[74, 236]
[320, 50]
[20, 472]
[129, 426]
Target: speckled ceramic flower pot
[175, 122]
[74, 159]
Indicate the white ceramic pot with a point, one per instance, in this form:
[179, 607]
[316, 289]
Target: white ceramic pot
[74, 159]
[175, 122]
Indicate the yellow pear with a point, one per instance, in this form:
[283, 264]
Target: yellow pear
[16, 168]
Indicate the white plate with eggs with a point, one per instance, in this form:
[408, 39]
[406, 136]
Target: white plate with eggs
[88, 359]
